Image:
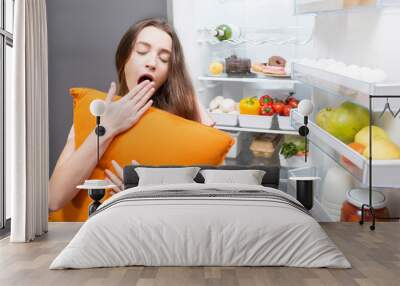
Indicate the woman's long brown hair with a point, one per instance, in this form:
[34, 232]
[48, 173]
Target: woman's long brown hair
[176, 95]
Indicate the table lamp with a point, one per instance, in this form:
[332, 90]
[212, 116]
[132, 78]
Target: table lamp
[305, 108]
[304, 185]
[97, 108]
[96, 188]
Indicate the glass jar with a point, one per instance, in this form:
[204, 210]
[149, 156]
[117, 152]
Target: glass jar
[355, 198]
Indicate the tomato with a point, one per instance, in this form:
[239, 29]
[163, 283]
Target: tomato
[265, 99]
[249, 105]
[278, 107]
[286, 110]
[293, 103]
[266, 110]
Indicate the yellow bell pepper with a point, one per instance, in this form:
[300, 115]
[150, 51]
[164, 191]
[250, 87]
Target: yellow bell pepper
[249, 105]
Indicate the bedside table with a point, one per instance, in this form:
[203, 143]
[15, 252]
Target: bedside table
[304, 190]
[96, 193]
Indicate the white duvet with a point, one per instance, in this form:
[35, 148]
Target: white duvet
[183, 231]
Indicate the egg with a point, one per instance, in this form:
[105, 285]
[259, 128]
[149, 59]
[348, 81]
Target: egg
[379, 75]
[322, 63]
[339, 67]
[330, 62]
[335, 66]
[353, 71]
[366, 74]
[331, 68]
[306, 62]
[341, 70]
[312, 63]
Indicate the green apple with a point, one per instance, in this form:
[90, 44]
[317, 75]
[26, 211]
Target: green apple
[322, 116]
[346, 121]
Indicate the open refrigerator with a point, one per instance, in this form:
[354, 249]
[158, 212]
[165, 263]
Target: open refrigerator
[286, 29]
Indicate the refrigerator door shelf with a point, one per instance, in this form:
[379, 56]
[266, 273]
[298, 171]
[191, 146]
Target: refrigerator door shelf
[340, 84]
[323, 6]
[385, 172]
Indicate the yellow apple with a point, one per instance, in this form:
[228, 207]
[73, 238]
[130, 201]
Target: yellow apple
[378, 133]
[383, 150]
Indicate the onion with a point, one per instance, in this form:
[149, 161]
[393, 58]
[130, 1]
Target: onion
[227, 105]
[216, 102]
[213, 105]
[218, 99]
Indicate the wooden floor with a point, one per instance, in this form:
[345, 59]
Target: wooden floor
[375, 257]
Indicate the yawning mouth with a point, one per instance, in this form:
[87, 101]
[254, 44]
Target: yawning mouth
[145, 77]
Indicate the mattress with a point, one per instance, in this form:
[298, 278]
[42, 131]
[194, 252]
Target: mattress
[201, 225]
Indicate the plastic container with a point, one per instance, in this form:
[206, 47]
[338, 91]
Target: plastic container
[255, 121]
[237, 146]
[264, 145]
[226, 119]
[284, 123]
[293, 162]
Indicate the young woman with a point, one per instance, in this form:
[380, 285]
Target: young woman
[151, 72]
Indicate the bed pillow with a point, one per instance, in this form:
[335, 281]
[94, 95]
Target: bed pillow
[158, 138]
[248, 177]
[162, 176]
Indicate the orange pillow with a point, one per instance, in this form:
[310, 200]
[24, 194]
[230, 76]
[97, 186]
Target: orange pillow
[158, 138]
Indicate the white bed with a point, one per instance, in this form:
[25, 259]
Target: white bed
[201, 224]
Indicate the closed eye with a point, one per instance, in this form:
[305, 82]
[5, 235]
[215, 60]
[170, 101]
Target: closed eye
[164, 60]
[164, 56]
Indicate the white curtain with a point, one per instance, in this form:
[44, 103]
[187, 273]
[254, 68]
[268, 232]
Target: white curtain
[27, 156]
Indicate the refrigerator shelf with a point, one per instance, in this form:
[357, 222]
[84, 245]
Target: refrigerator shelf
[340, 84]
[259, 130]
[385, 172]
[275, 83]
[258, 36]
[324, 6]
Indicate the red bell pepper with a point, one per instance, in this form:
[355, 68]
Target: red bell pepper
[266, 110]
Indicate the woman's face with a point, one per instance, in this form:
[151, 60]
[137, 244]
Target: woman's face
[149, 58]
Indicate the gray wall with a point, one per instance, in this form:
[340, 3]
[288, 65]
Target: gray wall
[82, 38]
